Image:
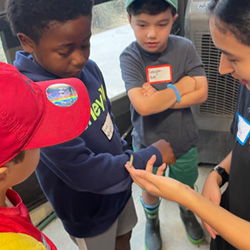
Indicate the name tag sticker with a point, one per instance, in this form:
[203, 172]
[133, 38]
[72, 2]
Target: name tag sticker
[108, 128]
[243, 129]
[158, 74]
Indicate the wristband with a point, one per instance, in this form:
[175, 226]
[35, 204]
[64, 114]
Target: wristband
[176, 91]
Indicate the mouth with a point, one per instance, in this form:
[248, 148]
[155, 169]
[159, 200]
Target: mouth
[151, 44]
[72, 74]
[243, 81]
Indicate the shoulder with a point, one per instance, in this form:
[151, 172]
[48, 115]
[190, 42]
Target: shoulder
[179, 42]
[132, 46]
[131, 56]
[91, 68]
[179, 39]
[91, 65]
[131, 50]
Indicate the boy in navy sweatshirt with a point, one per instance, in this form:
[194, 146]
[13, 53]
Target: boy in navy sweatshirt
[84, 179]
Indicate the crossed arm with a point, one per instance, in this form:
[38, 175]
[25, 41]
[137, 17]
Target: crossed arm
[147, 101]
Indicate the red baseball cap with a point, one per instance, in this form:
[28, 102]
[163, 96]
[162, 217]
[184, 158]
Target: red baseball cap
[39, 114]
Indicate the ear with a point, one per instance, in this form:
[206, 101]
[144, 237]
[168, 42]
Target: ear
[27, 43]
[175, 17]
[3, 173]
[129, 18]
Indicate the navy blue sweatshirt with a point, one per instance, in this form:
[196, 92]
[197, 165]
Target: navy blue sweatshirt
[85, 179]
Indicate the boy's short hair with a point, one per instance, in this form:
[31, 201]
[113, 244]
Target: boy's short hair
[42, 114]
[151, 7]
[33, 17]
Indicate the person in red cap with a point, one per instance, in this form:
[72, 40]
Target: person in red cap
[84, 179]
[32, 115]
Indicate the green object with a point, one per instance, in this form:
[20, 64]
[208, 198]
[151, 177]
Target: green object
[173, 3]
[185, 168]
[46, 221]
[152, 230]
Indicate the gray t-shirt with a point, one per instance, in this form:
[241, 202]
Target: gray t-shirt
[176, 126]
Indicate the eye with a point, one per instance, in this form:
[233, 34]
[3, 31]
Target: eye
[141, 25]
[163, 24]
[64, 54]
[84, 47]
[232, 60]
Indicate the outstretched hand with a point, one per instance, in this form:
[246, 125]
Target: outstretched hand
[157, 185]
[145, 178]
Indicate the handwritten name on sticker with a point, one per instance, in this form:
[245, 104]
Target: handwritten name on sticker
[158, 74]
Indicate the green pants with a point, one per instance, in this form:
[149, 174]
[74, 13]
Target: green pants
[185, 168]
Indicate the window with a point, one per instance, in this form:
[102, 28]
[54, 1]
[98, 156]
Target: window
[2, 55]
[111, 34]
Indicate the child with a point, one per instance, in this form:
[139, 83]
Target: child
[226, 216]
[172, 65]
[84, 179]
[32, 115]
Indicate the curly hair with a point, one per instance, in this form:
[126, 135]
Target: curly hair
[33, 17]
[233, 16]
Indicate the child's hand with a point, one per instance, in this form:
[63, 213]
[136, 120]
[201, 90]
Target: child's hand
[158, 185]
[138, 179]
[147, 89]
[166, 151]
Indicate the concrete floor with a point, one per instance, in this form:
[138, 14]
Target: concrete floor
[172, 229]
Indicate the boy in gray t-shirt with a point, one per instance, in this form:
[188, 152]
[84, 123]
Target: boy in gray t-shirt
[164, 77]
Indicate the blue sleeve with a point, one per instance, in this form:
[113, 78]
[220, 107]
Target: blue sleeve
[83, 170]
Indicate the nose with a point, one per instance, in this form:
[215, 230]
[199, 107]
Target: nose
[79, 57]
[152, 32]
[225, 66]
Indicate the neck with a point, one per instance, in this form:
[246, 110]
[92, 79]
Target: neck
[2, 198]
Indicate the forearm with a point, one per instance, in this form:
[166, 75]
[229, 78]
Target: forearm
[148, 105]
[214, 178]
[198, 96]
[160, 100]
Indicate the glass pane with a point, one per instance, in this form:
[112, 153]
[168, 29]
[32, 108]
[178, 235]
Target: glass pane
[2, 55]
[109, 15]
[111, 34]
